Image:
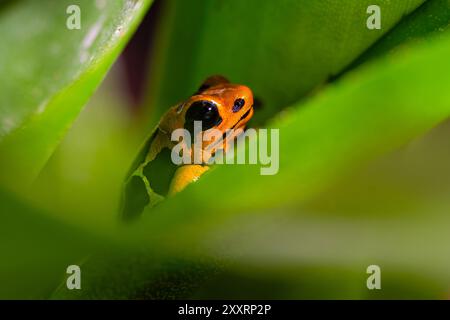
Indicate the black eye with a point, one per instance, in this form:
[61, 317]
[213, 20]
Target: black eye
[204, 111]
[238, 104]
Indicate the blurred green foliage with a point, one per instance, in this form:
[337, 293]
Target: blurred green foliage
[35, 250]
[48, 72]
[359, 182]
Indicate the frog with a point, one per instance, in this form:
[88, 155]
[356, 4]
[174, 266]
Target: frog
[217, 104]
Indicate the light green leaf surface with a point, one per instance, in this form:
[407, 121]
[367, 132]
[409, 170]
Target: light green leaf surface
[428, 22]
[48, 73]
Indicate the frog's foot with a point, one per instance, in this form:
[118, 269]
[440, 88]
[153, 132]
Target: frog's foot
[185, 175]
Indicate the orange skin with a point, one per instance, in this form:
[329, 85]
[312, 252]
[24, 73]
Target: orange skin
[224, 96]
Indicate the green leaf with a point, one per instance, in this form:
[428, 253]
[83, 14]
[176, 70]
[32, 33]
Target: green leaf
[394, 214]
[48, 73]
[281, 50]
[35, 250]
[428, 22]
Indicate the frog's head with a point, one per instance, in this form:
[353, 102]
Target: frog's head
[218, 104]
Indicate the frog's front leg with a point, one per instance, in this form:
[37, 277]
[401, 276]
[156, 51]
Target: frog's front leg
[185, 175]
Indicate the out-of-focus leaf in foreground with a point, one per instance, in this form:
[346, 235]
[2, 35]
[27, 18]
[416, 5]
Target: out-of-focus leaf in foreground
[48, 73]
[393, 214]
[35, 250]
[281, 223]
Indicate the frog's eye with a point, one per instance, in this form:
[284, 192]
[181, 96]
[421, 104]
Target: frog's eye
[204, 111]
[238, 104]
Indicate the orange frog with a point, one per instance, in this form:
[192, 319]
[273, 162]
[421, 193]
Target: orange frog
[219, 105]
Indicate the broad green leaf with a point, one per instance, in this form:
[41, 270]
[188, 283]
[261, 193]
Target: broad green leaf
[35, 250]
[281, 49]
[428, 22]
[393, 214]
[48, 72]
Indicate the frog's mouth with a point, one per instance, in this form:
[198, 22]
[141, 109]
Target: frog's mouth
[238, 124]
